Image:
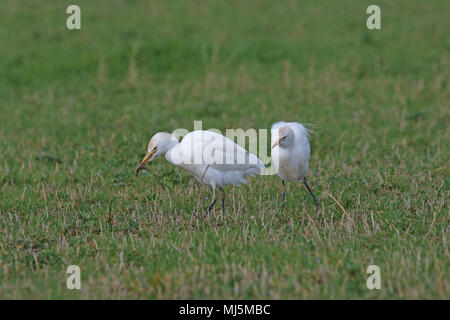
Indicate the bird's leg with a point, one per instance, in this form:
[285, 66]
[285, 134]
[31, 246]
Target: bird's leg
[283, 195]
[223, 200]
[213, 202]
[310, 192]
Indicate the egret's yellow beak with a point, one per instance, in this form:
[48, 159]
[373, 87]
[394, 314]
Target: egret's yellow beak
[144, 161]
[276, 143]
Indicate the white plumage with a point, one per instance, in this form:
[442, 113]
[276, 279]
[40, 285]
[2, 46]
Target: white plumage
[211, 158]
[290, 157]
[291, 152]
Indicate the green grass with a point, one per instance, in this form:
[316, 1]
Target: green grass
[78, 108]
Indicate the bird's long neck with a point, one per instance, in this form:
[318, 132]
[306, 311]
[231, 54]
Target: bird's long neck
[170, 149]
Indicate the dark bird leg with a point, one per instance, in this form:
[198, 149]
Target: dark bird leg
[214, 201]
[223, 200]
[310, 192]
[283, 195]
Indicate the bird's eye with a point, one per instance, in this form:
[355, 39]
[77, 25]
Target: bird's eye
[284, 138]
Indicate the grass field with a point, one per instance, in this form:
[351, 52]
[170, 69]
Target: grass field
[78, 108]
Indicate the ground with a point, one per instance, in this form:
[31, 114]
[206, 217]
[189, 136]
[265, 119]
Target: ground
[79, 107]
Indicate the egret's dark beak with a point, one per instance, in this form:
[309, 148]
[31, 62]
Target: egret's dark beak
[144, 161]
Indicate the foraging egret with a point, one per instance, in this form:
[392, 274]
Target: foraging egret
[211, 158]
[290, 153]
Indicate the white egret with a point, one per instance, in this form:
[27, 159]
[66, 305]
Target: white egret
[211, 158]
[290, 153]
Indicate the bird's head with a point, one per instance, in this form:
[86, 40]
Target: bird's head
[159, 144]
[285, 137]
